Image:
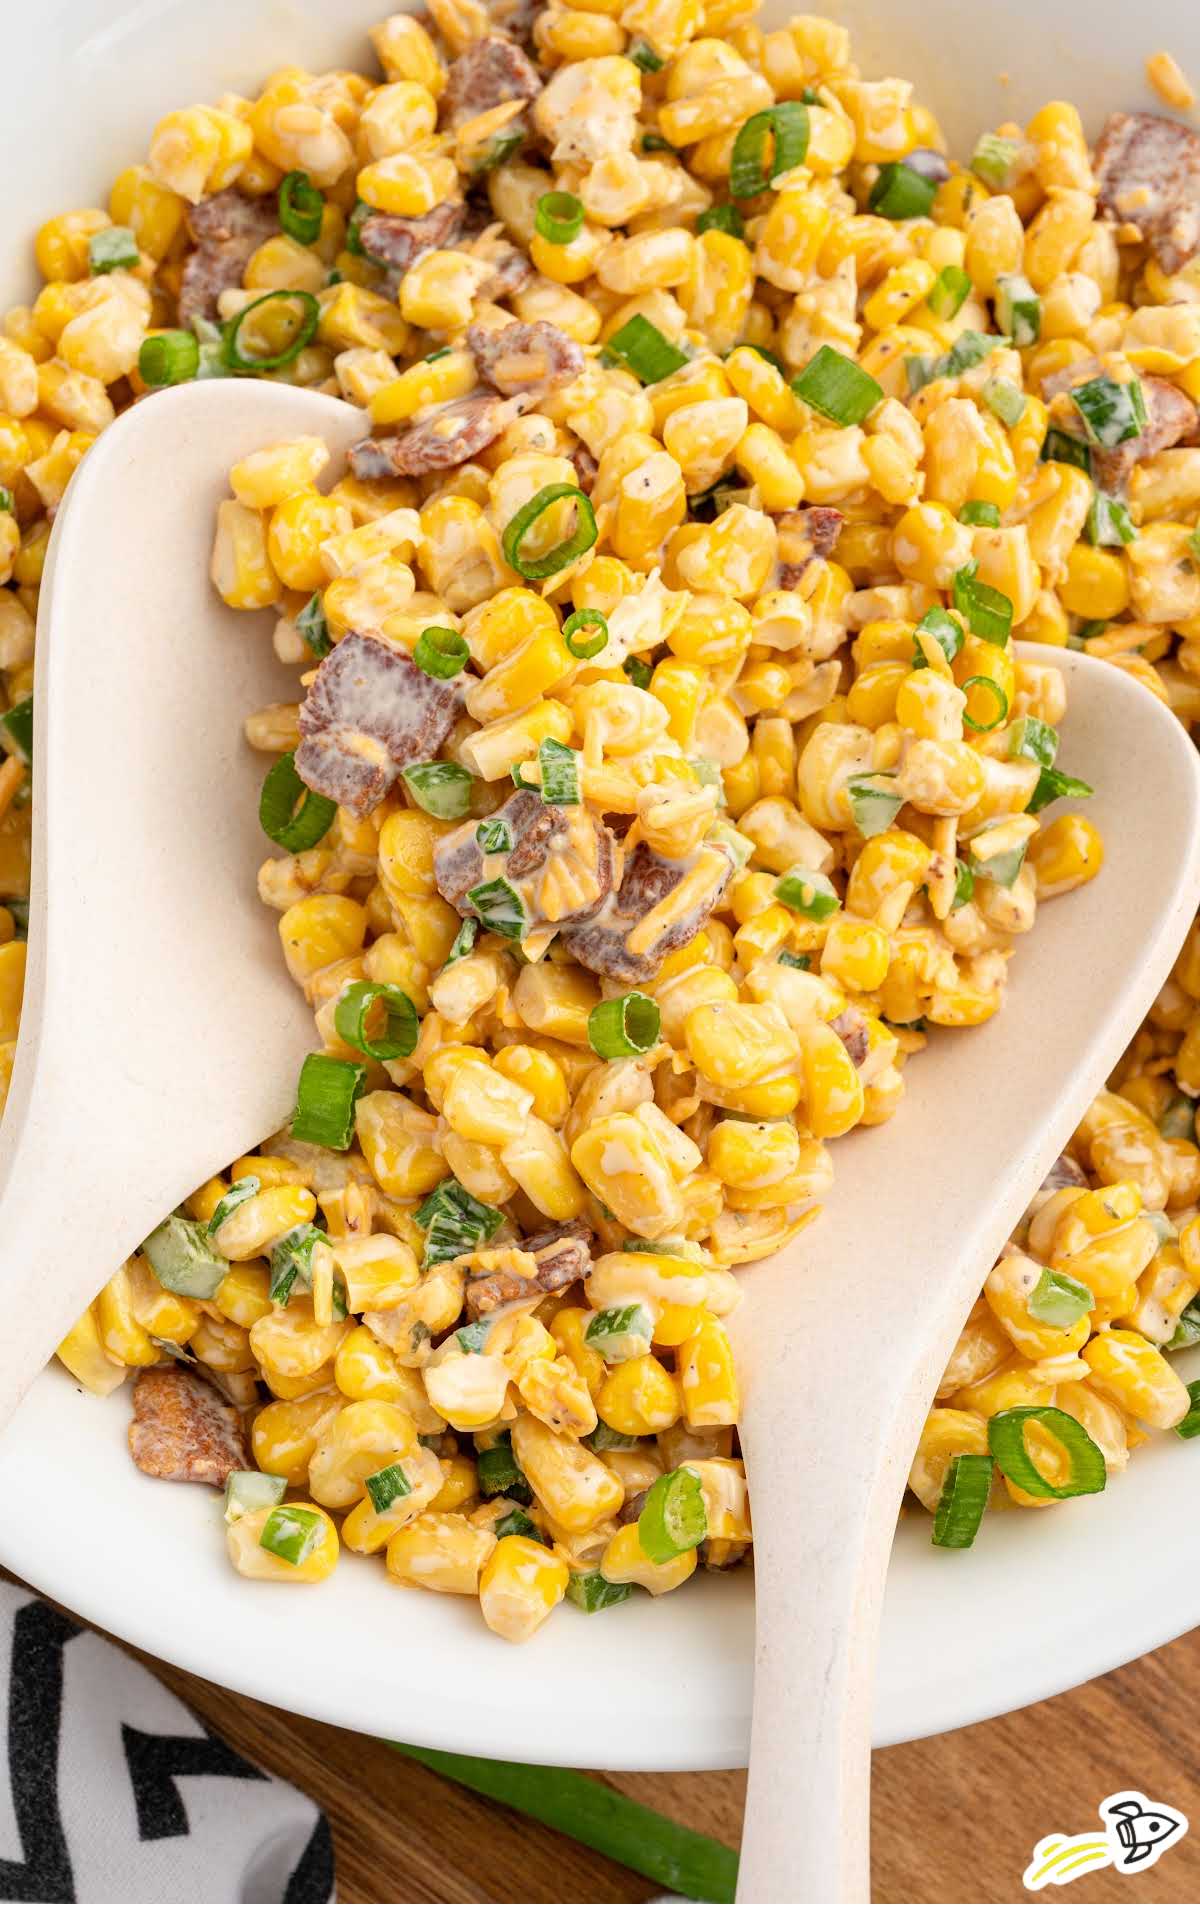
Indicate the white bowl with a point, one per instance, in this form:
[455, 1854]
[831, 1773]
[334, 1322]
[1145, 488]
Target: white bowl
[1042, 1603]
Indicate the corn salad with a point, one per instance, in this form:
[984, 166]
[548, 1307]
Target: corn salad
[660, 770]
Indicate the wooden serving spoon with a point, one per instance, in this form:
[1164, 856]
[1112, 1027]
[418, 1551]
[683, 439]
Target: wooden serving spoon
[842, 1336]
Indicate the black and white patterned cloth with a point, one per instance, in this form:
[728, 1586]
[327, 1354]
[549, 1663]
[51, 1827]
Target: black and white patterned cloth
[116, 1791]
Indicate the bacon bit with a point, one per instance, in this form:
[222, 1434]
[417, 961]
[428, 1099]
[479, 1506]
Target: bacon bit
[369, 712]
[182, 1431]
[525, 360]
[228, 229]
[1148, 169]
[487, 74]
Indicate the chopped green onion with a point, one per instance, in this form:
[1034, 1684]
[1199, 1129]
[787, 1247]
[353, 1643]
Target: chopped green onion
[641, 347]
[501, 908]
[674, 1517]
[1112, 413]
[946, 632]
[625, 1027]
[1002, 868]
[1004, 400]
[559, 217]
[401, 1026]
[536, 568]
[721, 218]
[560, 773]
[999, 697]
[7, 500]
[291, 1533]
[1006, 1440]
[640, 672]
[621, 1334]
[962, 1502]
[442, 788]
[516, 1522]
[499, 147]
[1059, 447]
[586, 647]
[978, 515]
[247, 1489]
[312, 626]
[169, 357]
[289, 813]
[836, 387]
[1187, 1330]
[968, 349]
[301, 208]
[1060, 1300]
[354, 224]
[654, 142]
[454, 1222]
[787, 125]
[500, 1473]
[517, 775]
[666, 1246]
[950, 292]
[592, 1592]
[1190, 1426]
[16, 730]
[388, 1485]
[472, 1338]
[464, 942]
[326, 1094]
[494, 836]
[922, 370]
[113, 249]
[902, 192]
[1018, 309]
[1053, 784]
[291, 1261]
[807, 892]
[236, 1194]
[993, 159]
[1179, 1118]
[1033, 740]
[1109, 523]
[183, 1259]
[964, 885]
[1088, 631]
[441, 652]
[603, 1439]
[801, 962]
[985, 610]
[873, 807]
[310, 317]
[642, 54]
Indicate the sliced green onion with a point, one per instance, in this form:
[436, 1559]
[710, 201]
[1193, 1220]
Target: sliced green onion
[985, 610]
[1059, 447]
[312, 626]
[1109, 523]
[289, 813]
[500, 1473]
[1112, 413]
[922, 370]
[1190, 1426]
[787, 125]
[624, 1027]
[836, 387]
[169, 357]
[472, 1338]
[962, 1502]
[454, 1222]
[1060, 1300]
[247, 1489]
[494, 836]
[464, 942]
[640, 672]
[902, 192]
[560, 773]
[654, 142]
[536, 568]
[354, 224]
[1187, 1330]
[1032, 740]
[388, 1485]
[113, 249]
[401, 1026]
[968, 349]
[291, 1261]
[643, 349]
[1006, 1440]
[950, 292]
[873, 807]
[236, 1194]
[807, 892]
[326, 1094]
[964, 885]
[291, 1533]
[1088, 631]
[592, 1592]
[517, 1522]
[621, 1333]
[665, 1246]
[1053, 784]
[800, 962]
[674, 1517]
[721, 218]
[501, 908]
[442, 788]
[16, 730]
[310, 317]
[499, 147]
[586, 647]
[979, 515]
[1004, 400]
[1018, 309]
[642, 54]
[1002, 868]
[946, 632]
[301, 207]
[441, 652]
[603, 1439]
[998, 696]
[993, 159]
[183, 1259]
[559, 217]
[1178, 1120]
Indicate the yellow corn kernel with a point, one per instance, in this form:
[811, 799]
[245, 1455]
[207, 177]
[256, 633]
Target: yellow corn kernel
[539, 1161]
[1138, 1377]
[1096, 585]
[708, 1378]
[261, 1220]
[833, 1090]
[541, 1075]
[408, 184]
[521, 1583]
[243, 1541]
[241, 568]
[1056, 234]
[946, 1433]
[286, 1433]
[1065, 854]
[480, 1104]
[398, 1141]
[362, 1438]
[83, 1353]
[556, 1001]
[1007, 1291]
[121, 1334]
[242, 1296]
[444, 1553]
[1015, 1385]
[467, 1390]
[571, 1483]
[298, 526]
[61, 244]
[292, 1344]
[406, 52]
[640, 1397]
[856, 954]
[763, 457]
[569, 1329]
[625, 1560]
[199, 150]
[319, 930]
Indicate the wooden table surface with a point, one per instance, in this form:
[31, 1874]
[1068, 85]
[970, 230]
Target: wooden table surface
[955, 1818]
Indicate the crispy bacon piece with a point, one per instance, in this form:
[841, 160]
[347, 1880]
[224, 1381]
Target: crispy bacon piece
[452, 435]
[369, 712]
[851, 1028]
[399, 242]
[1149, 174]
[182, 1430]
[601, 943]
[1170, 418]
[228, 229]
[563, 1254]
[487, 74]
[539, 832]
[805, 535]
[525, 360]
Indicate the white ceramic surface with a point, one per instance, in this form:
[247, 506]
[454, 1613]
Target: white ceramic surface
[964, 1636]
